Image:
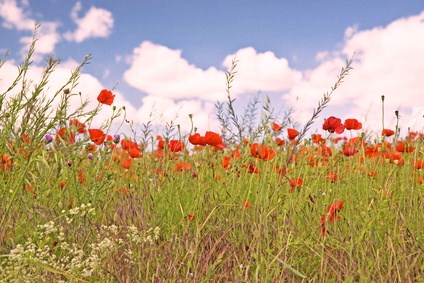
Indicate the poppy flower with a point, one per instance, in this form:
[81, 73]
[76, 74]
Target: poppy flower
[128, 144]
[126, 163]
[418, 164]
[197, 139]
[262, 151]
[333, 124]
[404, 147]
[394, 157]
[387, 132]
[79, 127]
[66, 135]
[352, 124]
[333, 211]
[372, 173]
[135, 152]
[276, 127]
[246, 204]
[349, 151]
[97, 136]
[214, 139]
[182, 166]
[106, 97]
[292, 133]
[420, 180]
[317, 139]
[5, 162]
[190, 217]
[81, 177]
[175, 145]
[280, 141]
[332, 177]
[252, 168]
[295, 183]
[226, 162]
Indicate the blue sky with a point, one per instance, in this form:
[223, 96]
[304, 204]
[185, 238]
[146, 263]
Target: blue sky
[291, 49]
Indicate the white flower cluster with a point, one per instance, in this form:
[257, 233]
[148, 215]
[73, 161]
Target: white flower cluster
[81, 211]
[27, 262]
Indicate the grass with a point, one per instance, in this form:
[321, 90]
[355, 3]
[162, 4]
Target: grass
[85, 212]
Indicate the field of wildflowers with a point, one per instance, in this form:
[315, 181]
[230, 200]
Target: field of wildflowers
[244, 203]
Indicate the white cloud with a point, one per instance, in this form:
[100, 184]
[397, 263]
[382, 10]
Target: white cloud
[18, 17]
[160, 71]
[261, 72]
[97, 22]
[389, 62]
[14, 16]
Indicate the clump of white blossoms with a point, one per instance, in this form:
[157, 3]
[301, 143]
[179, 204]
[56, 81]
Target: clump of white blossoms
[52, 254]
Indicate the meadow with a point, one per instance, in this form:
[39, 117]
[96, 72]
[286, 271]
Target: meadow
[254, 201]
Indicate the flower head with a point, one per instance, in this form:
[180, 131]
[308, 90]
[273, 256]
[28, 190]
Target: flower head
[333, 124]
[106, 97]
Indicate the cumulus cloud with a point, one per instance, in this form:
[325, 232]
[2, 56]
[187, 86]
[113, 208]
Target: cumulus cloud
[261, 72]
[388, 62]
[160, 71]
[167, 77]
[15, 16]
[97, 22]
[18, 17]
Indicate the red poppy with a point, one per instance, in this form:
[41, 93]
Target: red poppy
[190, 217]
[246, 204]
[332, 177]
[333, 124]
[404, 147]
[106, 97]
[292, 133]
[81, 177]
[349, 151]
[276, 127]
[183, 166]
[252, 168]
[394, 157]
[420, 180]
[352, 124]
[5, 162]
[197, 139]
[387, 132]
[317, 139]
[97, 136]
[126, 162]
[66, 135]
[333, 211]
[128, 144]
[295, 183]
[226, 162]
[372, 173]
[175, 145]
[418, 164]
[25, 138]
[261, 151]
[280, 141]
[214, 139]
[79, 127]
[135, 152]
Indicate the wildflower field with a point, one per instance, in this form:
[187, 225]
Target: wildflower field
[253, 201]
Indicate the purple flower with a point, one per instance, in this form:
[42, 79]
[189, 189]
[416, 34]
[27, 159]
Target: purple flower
[116, 138]
[48, 138]
[90, 156]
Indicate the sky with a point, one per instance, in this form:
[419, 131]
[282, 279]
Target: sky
[165, 60]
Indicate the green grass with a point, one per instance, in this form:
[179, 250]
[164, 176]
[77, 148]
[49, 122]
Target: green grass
[154, 223]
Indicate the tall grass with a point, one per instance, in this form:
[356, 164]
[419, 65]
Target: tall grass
[73, 215]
